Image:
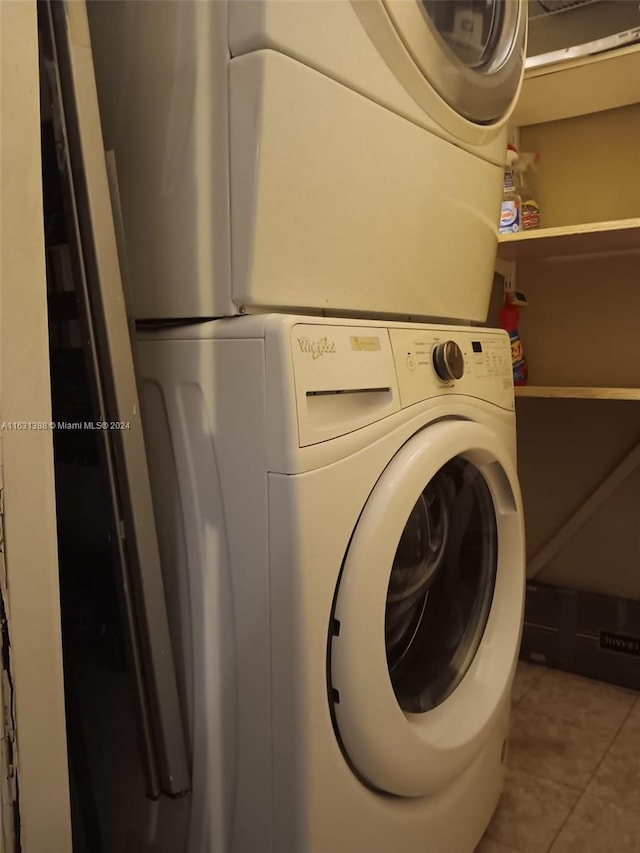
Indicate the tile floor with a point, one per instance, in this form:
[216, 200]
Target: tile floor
[573, 784]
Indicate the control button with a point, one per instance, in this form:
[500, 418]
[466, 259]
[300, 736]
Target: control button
[448, 361]
[411, 365]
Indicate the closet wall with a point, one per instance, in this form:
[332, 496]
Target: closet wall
[581, 335]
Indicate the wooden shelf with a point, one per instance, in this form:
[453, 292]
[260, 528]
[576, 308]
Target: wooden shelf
[576, 393]
[579, 86]
[588, 239]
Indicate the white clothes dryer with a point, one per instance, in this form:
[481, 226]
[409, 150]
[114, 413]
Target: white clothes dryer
[341, 532]
[341, 157]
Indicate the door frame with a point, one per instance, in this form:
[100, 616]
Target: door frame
[32, 682]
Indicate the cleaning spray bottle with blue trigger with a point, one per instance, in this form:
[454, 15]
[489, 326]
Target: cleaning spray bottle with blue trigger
[510, 209]
[509, 317]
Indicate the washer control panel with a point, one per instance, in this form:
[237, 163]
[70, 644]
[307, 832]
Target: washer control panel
[473, 362]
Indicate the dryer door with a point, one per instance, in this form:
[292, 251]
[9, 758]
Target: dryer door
[471, 51]
[428, 611]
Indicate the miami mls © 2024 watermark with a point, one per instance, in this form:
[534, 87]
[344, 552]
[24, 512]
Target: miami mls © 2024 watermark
[72, 425]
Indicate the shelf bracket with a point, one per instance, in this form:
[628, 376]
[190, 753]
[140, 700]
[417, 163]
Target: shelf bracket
[507, 270]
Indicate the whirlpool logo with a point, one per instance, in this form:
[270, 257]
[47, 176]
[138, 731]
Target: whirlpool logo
[318, 347]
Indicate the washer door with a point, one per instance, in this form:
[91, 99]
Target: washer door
[471, 51]
[428, 611]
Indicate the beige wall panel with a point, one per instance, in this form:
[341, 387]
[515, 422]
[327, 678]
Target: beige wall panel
[565, 449]
[589, 168]
[582, 323]
[29, 499]
[581, 328]
[605, 556]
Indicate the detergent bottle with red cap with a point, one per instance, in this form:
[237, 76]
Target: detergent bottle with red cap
[509, 317]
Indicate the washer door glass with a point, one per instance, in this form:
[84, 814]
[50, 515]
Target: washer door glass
[471, 28]
[441, 587]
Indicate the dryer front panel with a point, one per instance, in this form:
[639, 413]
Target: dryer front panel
[471, 51]
[428, 611]
[452, 66]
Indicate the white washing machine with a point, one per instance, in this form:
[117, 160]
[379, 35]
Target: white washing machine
[342, 538]
[336, 156]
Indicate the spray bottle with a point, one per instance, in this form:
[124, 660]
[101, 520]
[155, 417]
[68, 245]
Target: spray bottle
[511, 201]
[509, 317]
[523, 167]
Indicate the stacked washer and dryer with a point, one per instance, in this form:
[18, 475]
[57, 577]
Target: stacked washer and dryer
[309, 195]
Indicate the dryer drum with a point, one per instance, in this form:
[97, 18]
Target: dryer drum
[471, 29]
[441, 587]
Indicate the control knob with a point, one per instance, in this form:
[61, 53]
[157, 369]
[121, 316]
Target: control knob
[448, 361]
